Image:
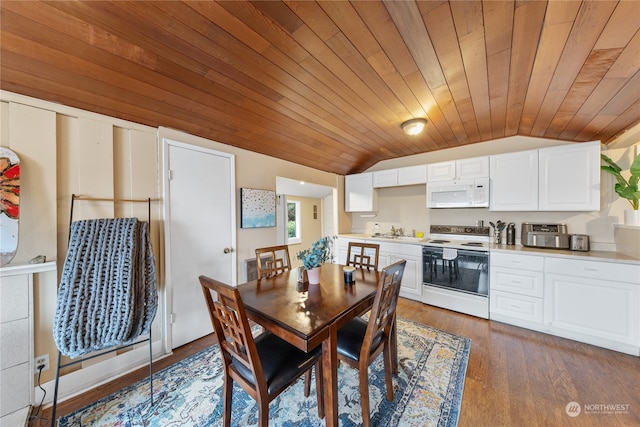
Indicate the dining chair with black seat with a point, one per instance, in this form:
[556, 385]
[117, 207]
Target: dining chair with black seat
[360, 341]
[363, 255]
[272, 260]
[263, 366]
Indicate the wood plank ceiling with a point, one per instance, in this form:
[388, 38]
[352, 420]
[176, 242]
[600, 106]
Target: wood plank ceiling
[327, 83]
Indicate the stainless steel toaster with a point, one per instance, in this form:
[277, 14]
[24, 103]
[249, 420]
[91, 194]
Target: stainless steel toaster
[579, 242]
[553, 236]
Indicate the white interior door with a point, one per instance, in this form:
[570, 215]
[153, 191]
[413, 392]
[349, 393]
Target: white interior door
[201, 234]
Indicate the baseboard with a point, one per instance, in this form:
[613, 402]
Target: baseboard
[87, 378]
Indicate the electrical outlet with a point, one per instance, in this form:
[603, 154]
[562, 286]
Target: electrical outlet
[41, 361]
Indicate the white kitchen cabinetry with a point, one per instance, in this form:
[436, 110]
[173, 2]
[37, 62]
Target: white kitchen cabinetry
[412, 175]
[594, 302]
[516, 290]
[442, 171]
[569, 177]
[411, 286]
[561, 178]
[514, 181]
[359, 194]
[409, 175]
[412, 280]
[390, 253]
[16, 335]
[385, 178]
[475, 167]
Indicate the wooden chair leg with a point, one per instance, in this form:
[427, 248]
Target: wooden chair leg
[393, 344]
[263, 413]
[307, 383]
[226, 406]
[388, 369]
[364, 397]
[320, 389]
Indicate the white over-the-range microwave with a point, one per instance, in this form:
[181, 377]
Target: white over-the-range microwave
[463, 193]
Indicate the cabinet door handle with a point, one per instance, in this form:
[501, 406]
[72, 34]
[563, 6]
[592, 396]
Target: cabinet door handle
[227, 250]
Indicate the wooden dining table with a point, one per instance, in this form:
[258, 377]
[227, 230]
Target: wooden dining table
[310, 315]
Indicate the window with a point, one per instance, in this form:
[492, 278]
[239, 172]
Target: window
[293, 222]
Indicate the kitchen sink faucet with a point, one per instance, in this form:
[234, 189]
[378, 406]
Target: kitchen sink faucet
[397, 231]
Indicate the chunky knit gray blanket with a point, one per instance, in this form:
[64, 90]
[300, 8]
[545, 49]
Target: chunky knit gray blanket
[107, 294]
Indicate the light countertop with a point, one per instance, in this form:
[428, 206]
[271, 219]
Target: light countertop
[564, 253]
[592, 255]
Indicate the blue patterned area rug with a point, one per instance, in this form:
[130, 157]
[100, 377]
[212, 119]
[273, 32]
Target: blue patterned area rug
[428, 391]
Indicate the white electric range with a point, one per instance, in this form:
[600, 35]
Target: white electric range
[455, 262]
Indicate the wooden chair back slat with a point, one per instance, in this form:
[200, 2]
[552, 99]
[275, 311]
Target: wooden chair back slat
[363, 255]
[273, 260]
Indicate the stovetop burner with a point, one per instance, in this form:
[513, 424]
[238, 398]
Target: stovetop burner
[461, 237]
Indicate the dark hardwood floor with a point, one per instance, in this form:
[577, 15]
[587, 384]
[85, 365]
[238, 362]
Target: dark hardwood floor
[515, 377]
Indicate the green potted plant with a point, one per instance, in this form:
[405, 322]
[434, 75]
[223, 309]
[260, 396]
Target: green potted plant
[626, 188]
[312, 258]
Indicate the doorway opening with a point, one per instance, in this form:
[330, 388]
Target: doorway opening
[316, 217]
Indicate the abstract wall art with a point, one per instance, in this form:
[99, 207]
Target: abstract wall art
[258, 208]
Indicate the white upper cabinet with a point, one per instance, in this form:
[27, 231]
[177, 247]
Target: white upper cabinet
[386, 178]
[514, 181]
[561, 178]
[476, 167]
[359, 194]
[409, 175]
[443, 171]
[569, 177]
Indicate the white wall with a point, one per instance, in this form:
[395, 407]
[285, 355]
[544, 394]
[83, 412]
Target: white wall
[66, 151]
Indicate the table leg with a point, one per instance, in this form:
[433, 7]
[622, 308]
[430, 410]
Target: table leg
[330, 371]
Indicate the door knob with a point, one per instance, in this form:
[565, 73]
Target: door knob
[227, 250]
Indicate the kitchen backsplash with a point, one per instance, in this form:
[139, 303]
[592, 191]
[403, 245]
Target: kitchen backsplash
[405, 207]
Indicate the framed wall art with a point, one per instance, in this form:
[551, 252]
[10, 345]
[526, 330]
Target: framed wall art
[257, 208]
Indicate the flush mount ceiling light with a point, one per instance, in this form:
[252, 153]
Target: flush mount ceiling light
[413, 126]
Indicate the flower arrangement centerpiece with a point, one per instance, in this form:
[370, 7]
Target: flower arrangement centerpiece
[312, 258]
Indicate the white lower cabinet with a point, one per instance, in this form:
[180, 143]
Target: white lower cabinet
[516, 309]
[594, 302]
[516, 290]
[390, 253]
